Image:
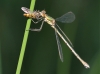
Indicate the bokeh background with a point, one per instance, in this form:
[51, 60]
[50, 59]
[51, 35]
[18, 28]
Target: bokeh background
[41, 54]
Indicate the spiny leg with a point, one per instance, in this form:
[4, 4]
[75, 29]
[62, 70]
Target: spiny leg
[39, 28]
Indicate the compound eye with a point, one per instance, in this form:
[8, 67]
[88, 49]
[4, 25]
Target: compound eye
[43, 11]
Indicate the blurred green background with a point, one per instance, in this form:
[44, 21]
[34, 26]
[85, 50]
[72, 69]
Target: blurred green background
[41, 54]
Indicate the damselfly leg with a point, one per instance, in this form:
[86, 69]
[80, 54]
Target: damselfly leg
[37, 29]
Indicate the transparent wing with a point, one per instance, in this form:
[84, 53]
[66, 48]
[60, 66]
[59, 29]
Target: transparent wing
[26, 10]
[66, 18]
[59, 47]
[65, 35]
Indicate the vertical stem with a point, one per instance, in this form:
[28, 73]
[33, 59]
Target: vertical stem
[24, 40]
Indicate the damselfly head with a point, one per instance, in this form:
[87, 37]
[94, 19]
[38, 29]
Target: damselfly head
[42, 13]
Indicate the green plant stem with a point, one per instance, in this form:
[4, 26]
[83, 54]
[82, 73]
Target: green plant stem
[24, 41]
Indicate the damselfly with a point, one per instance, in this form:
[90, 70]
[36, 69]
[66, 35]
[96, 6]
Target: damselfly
[66, 18]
